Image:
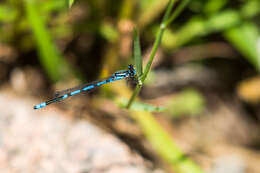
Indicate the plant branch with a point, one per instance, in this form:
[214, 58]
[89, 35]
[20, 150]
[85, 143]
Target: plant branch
[165, 22]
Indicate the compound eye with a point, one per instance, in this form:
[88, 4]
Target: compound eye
[130, 66]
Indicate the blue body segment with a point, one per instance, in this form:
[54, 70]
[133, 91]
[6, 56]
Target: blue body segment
[41, 105]
[130, 73]
[101, 83]
[65, 96]
[88, 87]
[75, 92]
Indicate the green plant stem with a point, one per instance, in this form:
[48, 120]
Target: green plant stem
[157, 40]
[178, 10]
[136, 91]
[166, 21]
[163, 143]
[147, 67]
[153, 53]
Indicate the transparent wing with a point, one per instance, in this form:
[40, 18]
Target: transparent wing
[80, 87]
[89, 86]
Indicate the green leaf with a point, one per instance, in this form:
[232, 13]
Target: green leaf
[188, 101]
[50, 57]
[138, 106]
[7, 13]
[222, 21]
[245, 37]
[164, 144]
[199, 26]
[213, 6]
[138, 54]
[109, 32]
[149, 10]
[70, 2]
[49, 6]
[250, 8]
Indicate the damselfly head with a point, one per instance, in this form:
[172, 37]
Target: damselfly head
[132, 71]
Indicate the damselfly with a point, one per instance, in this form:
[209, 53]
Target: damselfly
[61, 95]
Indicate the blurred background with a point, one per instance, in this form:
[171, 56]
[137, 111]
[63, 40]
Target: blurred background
[198, 109]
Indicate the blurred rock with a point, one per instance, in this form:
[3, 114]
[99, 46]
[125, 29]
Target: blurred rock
[18, 80]
[45, 141]
[185, 75]
[228, 164]
[27, 81]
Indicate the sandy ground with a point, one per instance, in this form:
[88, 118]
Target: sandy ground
[46, 141]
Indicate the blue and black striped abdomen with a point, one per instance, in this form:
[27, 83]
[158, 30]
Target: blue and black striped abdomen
[61, 95]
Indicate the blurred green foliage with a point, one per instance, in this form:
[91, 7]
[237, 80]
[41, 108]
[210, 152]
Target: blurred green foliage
[140, 106]
[70, 2]
[245, 37]
[205, 17]
[21, 17]
[187, 102]
[211, 17]
[50, 57]
[164, 144]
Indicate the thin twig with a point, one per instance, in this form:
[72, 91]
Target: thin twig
[165, 22]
